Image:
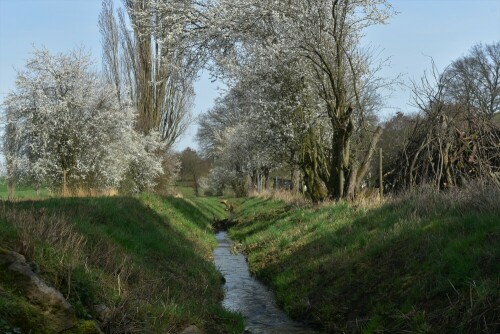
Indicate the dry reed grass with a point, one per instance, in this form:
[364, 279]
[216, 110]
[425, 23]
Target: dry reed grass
[369, 199]
[424, 200]
[477, 197]
[53, 229]
[288, 196]
[36, 227]
[92, 192]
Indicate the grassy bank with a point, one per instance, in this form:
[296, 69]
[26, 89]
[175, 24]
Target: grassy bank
[146, 261]
[425, 263]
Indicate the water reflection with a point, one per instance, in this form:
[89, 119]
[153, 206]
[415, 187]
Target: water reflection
[244, 294]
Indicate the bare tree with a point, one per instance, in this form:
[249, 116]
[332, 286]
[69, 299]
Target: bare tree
[152, 61]
[193, 167]
[454, 139]
[111, 45]
[474, 80]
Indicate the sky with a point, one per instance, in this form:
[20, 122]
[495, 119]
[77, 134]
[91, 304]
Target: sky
[442, 29]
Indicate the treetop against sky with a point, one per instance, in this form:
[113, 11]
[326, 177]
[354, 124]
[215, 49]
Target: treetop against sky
[441, 29]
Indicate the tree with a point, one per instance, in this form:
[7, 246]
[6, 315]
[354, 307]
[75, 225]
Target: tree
[474, 80]
[393, 141]
[345, 79]
[66, 128]
[238, 138]
[193, 167]
[319, 42]
[153, 61]
[453, 139]
[11, 149]
[224, 138]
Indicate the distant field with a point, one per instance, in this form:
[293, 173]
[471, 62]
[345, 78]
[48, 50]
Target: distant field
[185, 191]
[22, 191]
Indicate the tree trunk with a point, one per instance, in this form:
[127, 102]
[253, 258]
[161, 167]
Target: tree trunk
[341, 151]
[410, 179]
[340, 162]
[196, 186]
[447, 166]
[352, 188]
[11, 187]
[64, 185]
[295, 180]
[358, 174]
[267, 182]
[255, 180]
[314, 185]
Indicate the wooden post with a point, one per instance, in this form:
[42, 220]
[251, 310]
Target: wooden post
[381, 175]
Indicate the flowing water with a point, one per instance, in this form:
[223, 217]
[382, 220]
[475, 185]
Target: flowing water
[244, 294]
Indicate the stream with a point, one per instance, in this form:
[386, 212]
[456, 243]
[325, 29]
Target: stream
[244, 294]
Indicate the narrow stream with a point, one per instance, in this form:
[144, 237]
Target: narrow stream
[244, 294]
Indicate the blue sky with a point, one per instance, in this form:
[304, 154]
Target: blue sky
[442, 29]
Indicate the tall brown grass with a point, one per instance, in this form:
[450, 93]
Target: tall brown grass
[92, 192]
[425, 200]
[35, 225]
[288, 196]
[480, 197]
[117, 274]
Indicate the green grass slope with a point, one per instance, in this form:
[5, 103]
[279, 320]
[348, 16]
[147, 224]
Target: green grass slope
[427, 263]
[146, 260]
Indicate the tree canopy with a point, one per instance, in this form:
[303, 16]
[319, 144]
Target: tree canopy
[66, 128]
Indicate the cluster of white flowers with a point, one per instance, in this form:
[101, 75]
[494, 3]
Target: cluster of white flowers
[299, 82]
[65, 125]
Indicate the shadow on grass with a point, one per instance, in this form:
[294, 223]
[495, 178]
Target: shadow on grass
[188, 281]
[200, 213]
[211, 206]
[384, 271]
[128, 222]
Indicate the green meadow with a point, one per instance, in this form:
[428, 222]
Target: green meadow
[22, 191]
